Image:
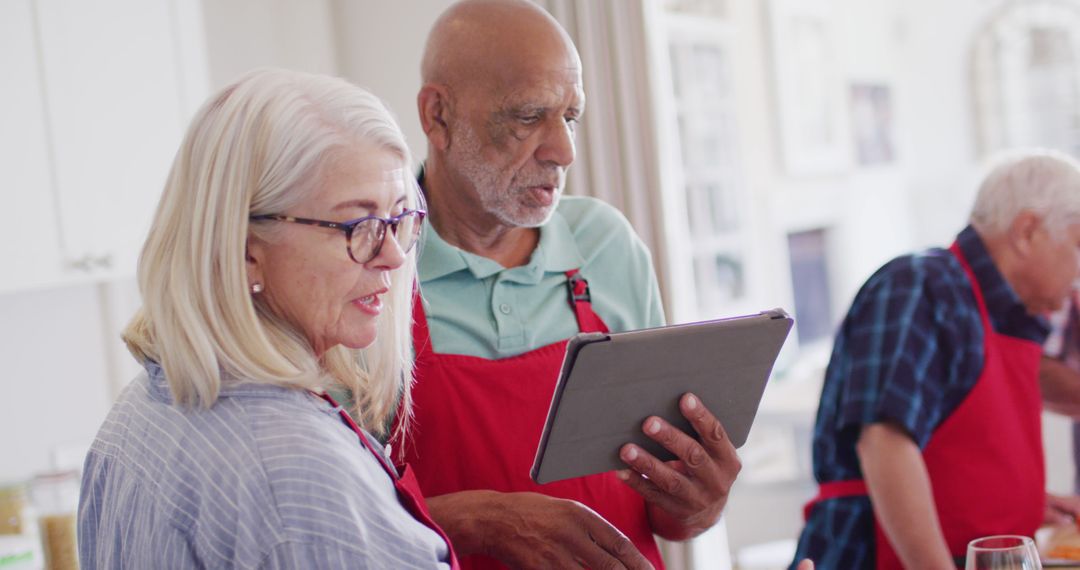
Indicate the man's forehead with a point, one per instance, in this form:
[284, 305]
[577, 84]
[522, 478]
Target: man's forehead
[549, 89]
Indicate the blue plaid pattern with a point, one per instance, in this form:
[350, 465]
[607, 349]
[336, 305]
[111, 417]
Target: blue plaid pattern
[908, 352]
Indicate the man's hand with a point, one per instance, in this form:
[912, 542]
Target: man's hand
[805, 564]
[1060, 387]
[529, 530]
[1061, 509]
[685, 496]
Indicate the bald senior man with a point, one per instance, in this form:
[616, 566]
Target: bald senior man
[509, 270]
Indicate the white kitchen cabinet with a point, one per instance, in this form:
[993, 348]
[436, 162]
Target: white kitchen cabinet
[114, 96]
[29, 243]
[103, 92]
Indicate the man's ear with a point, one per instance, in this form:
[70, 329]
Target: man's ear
[433, 102]
[1023, 231]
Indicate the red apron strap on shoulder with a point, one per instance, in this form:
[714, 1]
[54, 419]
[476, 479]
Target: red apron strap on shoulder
[581, 302]
[975, 289]
[405, 485]
[420, 333]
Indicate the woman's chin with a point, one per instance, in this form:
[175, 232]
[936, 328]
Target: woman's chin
[360, 341]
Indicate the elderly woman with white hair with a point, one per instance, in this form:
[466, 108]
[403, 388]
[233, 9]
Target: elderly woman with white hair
[929, 434]
[279, 266]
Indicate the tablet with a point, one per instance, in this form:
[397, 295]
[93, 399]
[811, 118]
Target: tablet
[611, 382]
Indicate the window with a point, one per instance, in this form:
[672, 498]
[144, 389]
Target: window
[715, 194]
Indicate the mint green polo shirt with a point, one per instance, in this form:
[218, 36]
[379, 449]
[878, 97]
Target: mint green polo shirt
[477, 307]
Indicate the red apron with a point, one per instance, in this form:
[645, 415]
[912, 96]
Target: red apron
[408, 491]
[478, 423]
[985, 461]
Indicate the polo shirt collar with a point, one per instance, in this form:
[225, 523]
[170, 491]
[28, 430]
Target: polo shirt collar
[436, 257]
[557, 251]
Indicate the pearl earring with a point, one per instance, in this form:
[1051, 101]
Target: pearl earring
[256, 288]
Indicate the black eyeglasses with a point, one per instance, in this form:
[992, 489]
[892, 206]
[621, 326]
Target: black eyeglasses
[364, 237]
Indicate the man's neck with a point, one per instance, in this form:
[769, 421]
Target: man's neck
[460, 222]
[1004, 257]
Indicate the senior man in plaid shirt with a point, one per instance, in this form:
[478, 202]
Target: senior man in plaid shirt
[929, 434]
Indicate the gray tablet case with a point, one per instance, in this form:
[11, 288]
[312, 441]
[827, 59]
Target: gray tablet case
[610, 383]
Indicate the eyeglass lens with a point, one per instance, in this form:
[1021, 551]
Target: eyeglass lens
[368, 236]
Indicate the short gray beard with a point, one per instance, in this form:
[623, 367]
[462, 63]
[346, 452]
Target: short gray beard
[465, 154]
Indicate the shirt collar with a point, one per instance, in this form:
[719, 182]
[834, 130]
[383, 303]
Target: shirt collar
[1007, 312]
[557, 251]
[159, 387]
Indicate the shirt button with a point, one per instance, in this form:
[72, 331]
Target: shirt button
[505, 309]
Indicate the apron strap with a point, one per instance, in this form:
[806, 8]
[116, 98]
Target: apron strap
[578, 295]
[348, 421]
[421, 336]
[408, 490]
[580, 299]
[835, 490]
[975, 288]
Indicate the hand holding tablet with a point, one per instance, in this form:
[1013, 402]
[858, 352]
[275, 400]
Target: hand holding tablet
[610, 383]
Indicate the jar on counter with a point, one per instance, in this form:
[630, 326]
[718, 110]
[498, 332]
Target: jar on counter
[19, 552]
[55, 497]
[13, 517]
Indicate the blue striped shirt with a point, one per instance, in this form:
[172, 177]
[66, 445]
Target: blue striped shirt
[908, 352]
[267, 477]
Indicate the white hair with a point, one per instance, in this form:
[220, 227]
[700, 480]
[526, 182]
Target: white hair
[258, 147]
[1043, 181]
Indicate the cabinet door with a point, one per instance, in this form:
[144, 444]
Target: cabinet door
[113, 93]
[29, 243]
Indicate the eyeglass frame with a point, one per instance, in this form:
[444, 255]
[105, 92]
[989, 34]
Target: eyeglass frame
[350, 225]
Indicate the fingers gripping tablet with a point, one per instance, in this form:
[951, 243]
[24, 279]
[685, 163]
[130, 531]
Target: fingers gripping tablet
[609, 383]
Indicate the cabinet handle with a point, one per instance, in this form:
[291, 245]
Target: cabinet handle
[80, 264]
[89, 262]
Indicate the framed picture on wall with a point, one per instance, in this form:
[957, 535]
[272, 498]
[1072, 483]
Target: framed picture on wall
[808, 251]
[871, 123]
[809, 93]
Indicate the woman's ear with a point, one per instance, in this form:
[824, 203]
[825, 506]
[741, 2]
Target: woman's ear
[255, 259]
[1024, 231]
[433, 102]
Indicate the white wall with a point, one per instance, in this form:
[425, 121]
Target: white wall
[938, 134]
[55, 386]
[380, 45]
[876, 214]
[244, 34]
[375, 44]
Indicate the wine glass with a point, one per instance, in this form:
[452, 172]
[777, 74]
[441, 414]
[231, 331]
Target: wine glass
[1003, 552]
